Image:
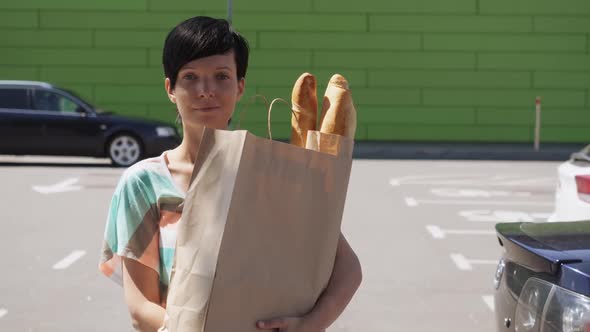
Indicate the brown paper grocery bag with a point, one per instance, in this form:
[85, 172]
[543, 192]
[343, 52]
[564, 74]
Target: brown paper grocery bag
[259, 230]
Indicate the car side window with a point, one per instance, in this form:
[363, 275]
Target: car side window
[51, 101]
[14, 98]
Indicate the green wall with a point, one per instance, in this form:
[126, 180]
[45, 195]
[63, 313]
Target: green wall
[420, 70]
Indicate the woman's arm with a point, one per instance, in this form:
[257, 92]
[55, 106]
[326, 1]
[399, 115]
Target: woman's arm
[345, 280]
[142, 294]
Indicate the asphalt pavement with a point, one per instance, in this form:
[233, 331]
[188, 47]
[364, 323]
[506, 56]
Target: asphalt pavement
[423, 230]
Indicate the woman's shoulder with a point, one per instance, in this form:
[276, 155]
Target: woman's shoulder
[146, 167]
[149, 174]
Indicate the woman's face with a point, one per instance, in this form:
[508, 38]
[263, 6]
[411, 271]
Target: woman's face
[207, 91]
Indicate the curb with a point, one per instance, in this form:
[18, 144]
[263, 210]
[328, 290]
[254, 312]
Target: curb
[465, 151]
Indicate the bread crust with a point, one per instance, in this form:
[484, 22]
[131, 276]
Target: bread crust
[338, 111]
[304, 103]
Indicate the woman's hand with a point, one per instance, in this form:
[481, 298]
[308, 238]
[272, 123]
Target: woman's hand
[289, 324]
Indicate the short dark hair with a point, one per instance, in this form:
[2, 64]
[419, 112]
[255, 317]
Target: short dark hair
[200, 37]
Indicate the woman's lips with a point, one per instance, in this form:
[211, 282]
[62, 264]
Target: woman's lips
[207, 109]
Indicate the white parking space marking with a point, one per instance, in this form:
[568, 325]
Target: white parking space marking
[435, 231]
[474, 193]
[465, 264]
[411, 201]
[461, 262]
[472, 180]
[69, 260]
[489, 301]
[63, 186]
[503, 216]
[3, 312]
[439, 233]
[434, 179]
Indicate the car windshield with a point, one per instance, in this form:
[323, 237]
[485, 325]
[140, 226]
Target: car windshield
[583, 155]
[80, 99]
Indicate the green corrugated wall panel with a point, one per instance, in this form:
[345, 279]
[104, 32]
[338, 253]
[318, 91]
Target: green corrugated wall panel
[449, 133]
[239, 6]
[526, 116]
[116, 20]
[371, 115]
[104, 75]
[300, 22]
[130, 94]
[338, 40]
[534, 61]
[561, 24]
[19, 19]
[45, 38]
[400, 60]
[459, 79]
[19, 73]
[507, 98]
[504, 42]
[534, 7]
[398, 6]
[72, 56]
[562, 80]
[565, 134]
[420, 70]
[76, 4]
[449, 23]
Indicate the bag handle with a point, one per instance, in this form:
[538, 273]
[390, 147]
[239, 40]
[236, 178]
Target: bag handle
[270, 110]
[251, 101]
[269, 107]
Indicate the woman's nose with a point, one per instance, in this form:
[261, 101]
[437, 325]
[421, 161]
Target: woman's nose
[206, 89]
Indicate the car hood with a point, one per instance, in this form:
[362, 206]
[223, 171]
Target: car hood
[560, 242]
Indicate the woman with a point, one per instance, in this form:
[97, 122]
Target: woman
[205, 63]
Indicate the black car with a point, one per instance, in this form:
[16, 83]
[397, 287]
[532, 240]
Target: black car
[38, 118]
[543, 279]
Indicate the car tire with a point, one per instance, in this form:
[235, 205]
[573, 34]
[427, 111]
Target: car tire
[124, 149]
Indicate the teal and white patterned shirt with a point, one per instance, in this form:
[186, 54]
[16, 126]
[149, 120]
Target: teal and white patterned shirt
[142, 221]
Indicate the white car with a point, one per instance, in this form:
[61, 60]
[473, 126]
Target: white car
[572, 196]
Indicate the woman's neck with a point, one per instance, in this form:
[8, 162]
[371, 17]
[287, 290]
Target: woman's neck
[189, 147]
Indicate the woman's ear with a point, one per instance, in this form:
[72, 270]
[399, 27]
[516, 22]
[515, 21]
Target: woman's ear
[241, 87]
[169, 90]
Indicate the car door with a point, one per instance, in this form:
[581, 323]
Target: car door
[21, 128]
[69, 127]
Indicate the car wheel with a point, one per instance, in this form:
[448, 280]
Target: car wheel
[124, 150]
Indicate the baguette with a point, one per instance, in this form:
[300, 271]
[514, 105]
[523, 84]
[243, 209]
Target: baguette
[304, 103]
[338, 112]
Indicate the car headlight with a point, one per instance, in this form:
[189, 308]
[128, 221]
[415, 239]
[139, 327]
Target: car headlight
[165, 131]
[545, 307]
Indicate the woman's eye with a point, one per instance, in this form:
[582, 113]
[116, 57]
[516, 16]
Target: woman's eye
[190, 77]
[222, 76]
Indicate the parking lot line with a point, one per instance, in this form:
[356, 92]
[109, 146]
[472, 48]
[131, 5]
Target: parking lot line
[3, 312]
[489, 301]
[69, 260]
[465, 264]
[411, 201]
[439, 233]
[63, 186]
[497, 216]
[471, 180]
